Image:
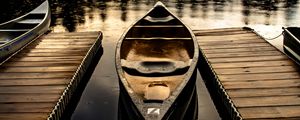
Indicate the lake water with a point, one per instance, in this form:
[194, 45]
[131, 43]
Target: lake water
[99, 100]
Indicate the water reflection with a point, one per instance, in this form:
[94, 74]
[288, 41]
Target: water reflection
[71, 14]
[123, 7]
[67, 13]
[180, 7]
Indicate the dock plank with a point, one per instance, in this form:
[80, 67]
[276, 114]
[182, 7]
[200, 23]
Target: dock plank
[253, 64]
[226, 50]
[234, 46]
[262, 84]
[32, 89]
[275, 112]
[259, 76]
[257, 80]
[248, 59]
[267, 101]
[249, 70]
[262, 92]
[242, 54]
[28, 98]
[37, 82]
[24, 116]
[31, 69]
[35, 75]
[33, 82]
[40, 63]
[26, 107]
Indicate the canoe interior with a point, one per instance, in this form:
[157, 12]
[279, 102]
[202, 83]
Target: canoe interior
[14, 29]
[18, 32]
[6, 36]
[156, 53]
[292, 42]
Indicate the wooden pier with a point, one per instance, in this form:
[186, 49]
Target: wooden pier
[37, 83]
[247, 77]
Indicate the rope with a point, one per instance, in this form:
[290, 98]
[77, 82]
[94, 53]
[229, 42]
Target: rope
[273, 37]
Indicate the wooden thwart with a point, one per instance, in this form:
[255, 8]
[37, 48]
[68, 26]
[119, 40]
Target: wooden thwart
[33, 82]
[261, 82]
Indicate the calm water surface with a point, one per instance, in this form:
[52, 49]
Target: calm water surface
[99, 100]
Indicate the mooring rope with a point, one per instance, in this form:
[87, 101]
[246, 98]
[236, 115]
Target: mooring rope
[274, 37]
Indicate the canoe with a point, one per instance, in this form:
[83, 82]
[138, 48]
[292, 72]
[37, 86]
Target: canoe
[291, 42]
[18, 32]
[156, 61]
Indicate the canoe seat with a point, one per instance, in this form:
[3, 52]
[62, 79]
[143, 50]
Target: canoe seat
[30, 21]
[159, 19]
[156, 92]
[155, 68]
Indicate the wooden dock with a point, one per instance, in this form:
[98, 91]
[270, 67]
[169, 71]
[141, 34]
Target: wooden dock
[37, 83]
[247, 77]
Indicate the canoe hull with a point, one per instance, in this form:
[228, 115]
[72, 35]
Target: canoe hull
[22, 38]
[156, 62]
[291, 43]
[185, 106]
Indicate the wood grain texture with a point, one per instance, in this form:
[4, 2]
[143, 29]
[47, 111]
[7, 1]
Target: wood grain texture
[24, 116]
[33, 80]
[261, 81]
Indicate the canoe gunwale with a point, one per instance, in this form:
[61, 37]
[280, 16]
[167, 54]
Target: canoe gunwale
[29, 35]
[290, 38]
[174, 94]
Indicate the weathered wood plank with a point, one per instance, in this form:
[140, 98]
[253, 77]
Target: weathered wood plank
[73, 33]
[263, 92]
[34, 82]
[44, 59]
[65, 43]
[60, 38]
[59, 46]
[40, 63]
[24, 116]
[26, 107]
[212, 33]
[262, 84]
[38, 69]
[253, 64]
[25, 98]
[50, 54]
[263, 76]
[226, 35]
[234, 46]
[242, 54]
[71, 50]
[58, 89]
[238, 50]
[229, 38]
[266, 101]
[276, 112]
[248, 59]
[203, 42]
[247, 70]
[35, 75]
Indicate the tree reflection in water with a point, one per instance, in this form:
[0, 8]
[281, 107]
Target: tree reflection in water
[11, 9]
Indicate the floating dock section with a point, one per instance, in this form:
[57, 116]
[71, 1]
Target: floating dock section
[247, 77]
[38, 81]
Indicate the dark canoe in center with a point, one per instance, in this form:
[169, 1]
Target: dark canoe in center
[291, 42]
[156, 61]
